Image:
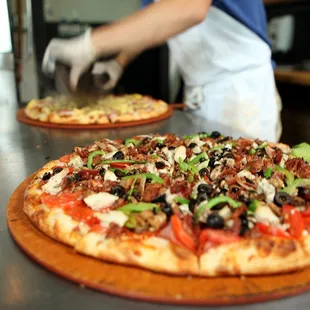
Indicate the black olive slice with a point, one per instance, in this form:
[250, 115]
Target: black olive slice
[118, 155]
[215, 221]
[282, 198]
[46, 176]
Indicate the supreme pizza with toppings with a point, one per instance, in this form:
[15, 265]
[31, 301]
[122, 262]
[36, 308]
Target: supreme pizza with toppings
[102, 110]
[198, 205]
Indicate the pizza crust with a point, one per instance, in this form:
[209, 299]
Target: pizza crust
[154, 253]
[255, 257]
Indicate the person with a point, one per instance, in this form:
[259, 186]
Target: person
[221, 48]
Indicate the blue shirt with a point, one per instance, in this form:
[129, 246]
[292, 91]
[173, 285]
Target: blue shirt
[250, 13]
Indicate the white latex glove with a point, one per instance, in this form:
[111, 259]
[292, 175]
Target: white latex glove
[112, 68]
[78, 53]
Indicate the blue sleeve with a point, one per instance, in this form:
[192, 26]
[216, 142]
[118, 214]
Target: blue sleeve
[146, 2]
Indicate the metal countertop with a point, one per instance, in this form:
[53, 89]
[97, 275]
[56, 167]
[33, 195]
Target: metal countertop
[25, 284]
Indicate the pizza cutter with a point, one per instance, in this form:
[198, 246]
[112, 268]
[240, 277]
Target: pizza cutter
[89, 87]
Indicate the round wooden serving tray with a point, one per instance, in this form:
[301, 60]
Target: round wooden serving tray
[23, 118]
[142, 284]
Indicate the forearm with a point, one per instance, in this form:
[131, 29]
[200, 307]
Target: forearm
[127, 56]
[149, 27]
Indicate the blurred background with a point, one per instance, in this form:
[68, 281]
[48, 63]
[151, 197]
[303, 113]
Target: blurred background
[28, 25]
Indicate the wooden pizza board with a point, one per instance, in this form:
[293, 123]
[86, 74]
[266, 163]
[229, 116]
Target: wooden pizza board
[137, 283]
[23, 118]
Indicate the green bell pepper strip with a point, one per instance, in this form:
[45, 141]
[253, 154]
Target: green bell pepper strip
[132, 188]
[119, 169]
[133, 141]
[263, 145]
[204, 135]
[191, 177]
[91, 157]
[213, 202]
[253, 205]
[252, 151]
[289, 176]
[183, 165]
[181, 200]
[302, 150]
[297, 183]
[131, 223]
[152, 176]
[198, 157]
[160, 141]
[137, 207]
[122, 161]
[268, 173]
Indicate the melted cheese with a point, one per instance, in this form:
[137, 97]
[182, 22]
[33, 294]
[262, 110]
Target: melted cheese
[225, 213]
[197, 141]
[180, 153]
[265, 215]
[76, 162]
[110, 176]
[53, 186]
[185, 209]
[267, 189]
[169, 155]
[196, 150]
[109, 155]
[150, 167]
[100, 200]
[117, 217]
[169, 196]
[283, 160]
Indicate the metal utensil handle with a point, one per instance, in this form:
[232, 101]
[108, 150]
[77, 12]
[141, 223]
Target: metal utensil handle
[29, 28]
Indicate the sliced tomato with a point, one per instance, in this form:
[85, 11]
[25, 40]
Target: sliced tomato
[88, 173]
[306, 221]
[306, 213]
[119, 165]
[296, 223]
[272, 231]
[65, 158]
[181, 234]
[294, 218]
[215, 237]
[98, 229]
[73, 205]
[218, 236]
[286, 209]
[82, 213]
[64, 200]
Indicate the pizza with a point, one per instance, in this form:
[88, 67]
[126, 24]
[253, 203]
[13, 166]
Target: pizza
[205, 204]
[103, 110]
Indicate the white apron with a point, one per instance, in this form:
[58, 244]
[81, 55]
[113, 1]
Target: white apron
[228, 75]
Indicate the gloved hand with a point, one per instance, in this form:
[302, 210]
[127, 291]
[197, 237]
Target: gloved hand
[78, 53]
[112, 68]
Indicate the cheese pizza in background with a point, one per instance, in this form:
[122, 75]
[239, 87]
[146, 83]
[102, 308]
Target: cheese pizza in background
[198, 205]
[105, 110]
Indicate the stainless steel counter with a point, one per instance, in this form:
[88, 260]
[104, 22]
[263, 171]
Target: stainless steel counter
[23, 283]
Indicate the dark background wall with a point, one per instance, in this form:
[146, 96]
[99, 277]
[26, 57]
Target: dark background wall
[296, 98]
